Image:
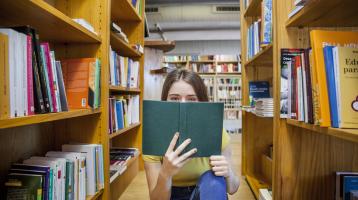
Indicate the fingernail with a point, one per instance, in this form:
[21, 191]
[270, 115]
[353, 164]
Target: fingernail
[189, 140]
[195, 150]
[177, 134]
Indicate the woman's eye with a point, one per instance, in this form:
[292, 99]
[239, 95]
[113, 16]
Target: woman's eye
[174, 99]
[193, 99]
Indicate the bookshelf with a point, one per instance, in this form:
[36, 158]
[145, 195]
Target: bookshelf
[21, 138]
[305, 156]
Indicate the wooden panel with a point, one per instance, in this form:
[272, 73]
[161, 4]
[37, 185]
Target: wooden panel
[261, 59]
[122, 10]
[35, 119]
[122, 48]
[253, 9]
[327, 13]
[159, 44]
[266, 169]
[255, 184]
[51, 24]
[96, 196]
[119, 89]
[124, 130]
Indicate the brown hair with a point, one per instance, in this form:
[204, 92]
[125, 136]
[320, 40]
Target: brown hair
[189, 77]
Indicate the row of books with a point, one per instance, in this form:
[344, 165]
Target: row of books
[124, 71]
[123, 112]
[260, 32]
[202, 68]
[175, 58]
[228, 68]
[200, 57]
[119, 158]
[316, 85]
[346, 186]
[220, 58]
[227, 58]
[73, 173]
[33, 81]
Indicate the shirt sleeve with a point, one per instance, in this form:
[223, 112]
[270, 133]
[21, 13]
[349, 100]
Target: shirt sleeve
[225, 140]
[152, 159]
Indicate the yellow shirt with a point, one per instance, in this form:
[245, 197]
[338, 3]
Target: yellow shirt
[190, 173]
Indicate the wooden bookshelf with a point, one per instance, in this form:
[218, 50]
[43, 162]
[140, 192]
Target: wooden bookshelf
[42, 118]
[255, 184]
[346, 134]
[202, 61]
[330, 13]
[253, 9]
[226, 61]
[124, 130]
[52, 24]
[165, 46]
[175, 62]
[96, 196]
[262, 59]
[123, 48]
[123, 10]
[119, 89]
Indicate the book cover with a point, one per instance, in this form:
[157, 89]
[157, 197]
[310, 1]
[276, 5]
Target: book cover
[25, 185]
[320, 39]
[119, 108]
[266, 28]
[259, 89]
[4, 79]
[200, 121]
[347, 68]
[350, 183]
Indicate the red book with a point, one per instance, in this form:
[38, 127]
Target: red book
[50, 75]
[30, 86]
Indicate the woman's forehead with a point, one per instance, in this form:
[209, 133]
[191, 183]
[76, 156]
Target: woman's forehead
[182, 88]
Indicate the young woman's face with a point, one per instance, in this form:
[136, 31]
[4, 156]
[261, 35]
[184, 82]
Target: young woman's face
[183, 92]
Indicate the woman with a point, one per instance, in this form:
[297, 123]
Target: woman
[176, 176]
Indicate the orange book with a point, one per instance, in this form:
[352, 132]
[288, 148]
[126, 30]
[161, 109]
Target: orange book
[320, 39]
[77, 76]
[4, 79]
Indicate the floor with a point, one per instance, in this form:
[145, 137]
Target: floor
[138, 188]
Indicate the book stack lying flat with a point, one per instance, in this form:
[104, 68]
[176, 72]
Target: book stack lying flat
[118, 31]
[264, 107]
[119, 158]
[73, 173]
[265, 194]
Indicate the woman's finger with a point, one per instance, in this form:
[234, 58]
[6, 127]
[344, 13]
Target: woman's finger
[219, 168]
[216, 158]
[224, 173]
[218, 163]
[186, 155]
[182, 147]
[173, 143]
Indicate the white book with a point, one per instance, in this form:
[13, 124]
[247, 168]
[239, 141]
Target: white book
[337, 81]
[123, 72]
[304, 85]
[55, 81]
[55, 168]
[264, 194]
[134, 75]
[112, 67]
[295, 11]
[99, 165]
[22, 67]
[90, 164]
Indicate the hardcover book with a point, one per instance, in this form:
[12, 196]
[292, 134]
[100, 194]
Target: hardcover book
[202, 122]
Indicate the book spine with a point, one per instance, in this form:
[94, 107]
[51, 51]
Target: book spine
[293, 90]
[5, 76]
[41, 72]
[23, 69]
[55, 79]
[50, 73]
[97, 84]
[309, 87]
[30, 88]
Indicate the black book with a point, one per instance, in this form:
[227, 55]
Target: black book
[39, 99]
[61, 87]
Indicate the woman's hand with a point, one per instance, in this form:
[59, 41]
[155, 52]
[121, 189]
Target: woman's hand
[172, 162]
[220, 166]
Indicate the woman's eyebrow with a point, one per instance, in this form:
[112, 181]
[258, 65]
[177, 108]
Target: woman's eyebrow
[191, 95]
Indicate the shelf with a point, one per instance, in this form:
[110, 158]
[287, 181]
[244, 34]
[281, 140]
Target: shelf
[253, 9]
[229, 73]
[123, 10]
[123, 89]
[123, 48]
[253, 114]
[41, 118]
[124, 130]
[175, 62]
[51, 24]
[262, 59]
[227, 61]
[129, 164]
[202, 61]
[319, 14]
[160, 44]
[255, 185]
[206, 73]
[96, 196]
[346, 134]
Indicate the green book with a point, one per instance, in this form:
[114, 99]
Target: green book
[24, 186]
[97, 90]
[202, 122]
[69, 187]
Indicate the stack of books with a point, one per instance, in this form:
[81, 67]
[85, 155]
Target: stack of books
[73, 173]
[124, 71]
[264, 107]
[118, 31]
[265, 194]
[123, 112]
[316, 85]
[119, 158]
[299, 5]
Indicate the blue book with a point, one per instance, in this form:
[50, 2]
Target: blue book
[119, 109]
[41, 170]
[350, 183]
[259, 89]
[331, 85]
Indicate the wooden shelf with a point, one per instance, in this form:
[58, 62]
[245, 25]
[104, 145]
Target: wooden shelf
[227, 61]
[51, 24]
[202, 61]
[124, 130]
[41, 118]
[263, 59]
[123, 48]
[328, 13]
[160, 44]
[255, 185]
[206, 73]
[175, 62]
[253, 9]
[123, 89]
[123, 10]
[96, 196]
[346, 134]
[228, 73]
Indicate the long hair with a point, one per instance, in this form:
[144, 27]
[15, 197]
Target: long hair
[189, 77]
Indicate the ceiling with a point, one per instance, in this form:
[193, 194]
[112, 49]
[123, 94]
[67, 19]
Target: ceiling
[190, 1]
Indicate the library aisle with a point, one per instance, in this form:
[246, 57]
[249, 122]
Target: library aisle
[138, 189]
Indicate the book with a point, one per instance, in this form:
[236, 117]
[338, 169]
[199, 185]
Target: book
[346, 74]
[350, 183]
[28, 186]
[4, 79]
[61, 87]
[320, 39]
[45, 49]
[339, 183]
[266, 28]
[258, 89]
[200, 121]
